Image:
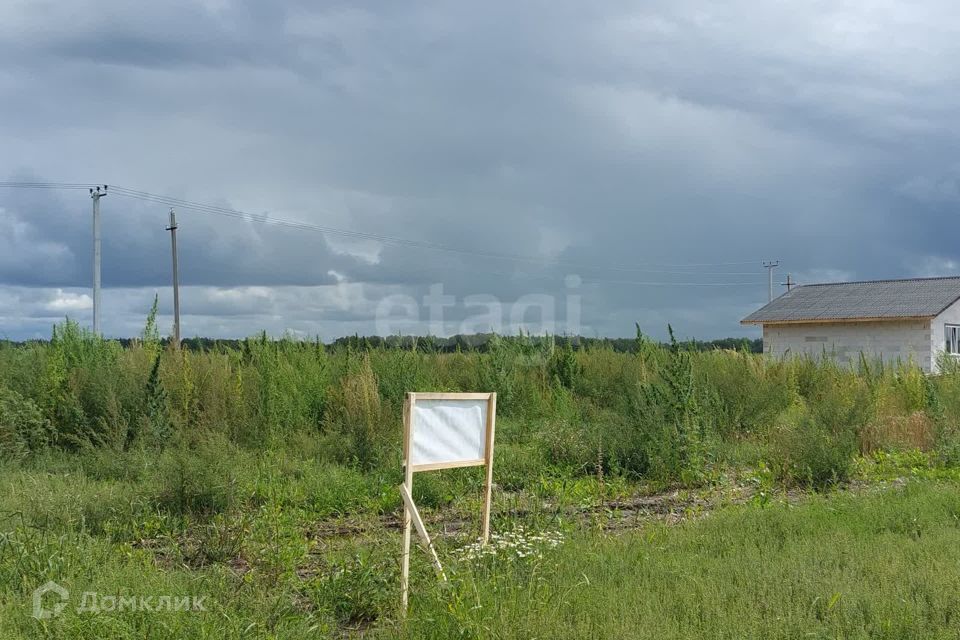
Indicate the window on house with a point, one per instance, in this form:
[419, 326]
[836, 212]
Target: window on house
[952, 338]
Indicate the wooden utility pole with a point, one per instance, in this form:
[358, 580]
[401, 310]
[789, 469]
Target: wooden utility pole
[176, 280]
[789, 283]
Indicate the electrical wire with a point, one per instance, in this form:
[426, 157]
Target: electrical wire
[146, 196]
[391, 240]
[446, 266]
[46, 185]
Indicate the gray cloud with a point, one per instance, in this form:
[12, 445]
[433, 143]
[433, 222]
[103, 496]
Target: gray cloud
[622, 134]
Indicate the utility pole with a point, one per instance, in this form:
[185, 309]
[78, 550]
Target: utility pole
[176, 280]
[95, 195]
[770, 265]
[789, 283]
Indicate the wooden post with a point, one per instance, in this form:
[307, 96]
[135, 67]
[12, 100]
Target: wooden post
[488, 460]
[422, 531]
[408, 484]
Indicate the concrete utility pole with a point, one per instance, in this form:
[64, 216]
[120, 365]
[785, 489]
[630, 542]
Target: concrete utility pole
[770, 265]
[95, 195]
[176, 280]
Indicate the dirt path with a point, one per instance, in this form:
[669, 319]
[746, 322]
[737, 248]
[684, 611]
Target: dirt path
[670, 507]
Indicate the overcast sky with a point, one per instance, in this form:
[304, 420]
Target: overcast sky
[641, 158]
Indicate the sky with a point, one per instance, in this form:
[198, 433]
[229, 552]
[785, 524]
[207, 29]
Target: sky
[550, 166]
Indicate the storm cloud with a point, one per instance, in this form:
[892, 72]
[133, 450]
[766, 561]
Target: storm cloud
[658, 151]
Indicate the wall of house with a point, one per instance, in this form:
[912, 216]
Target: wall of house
[890, 340]
[951, 315]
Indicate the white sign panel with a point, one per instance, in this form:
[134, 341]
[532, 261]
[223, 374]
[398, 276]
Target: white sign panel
[448, 431]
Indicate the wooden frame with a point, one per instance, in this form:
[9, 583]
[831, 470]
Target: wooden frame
[410, 514]
[436, 466]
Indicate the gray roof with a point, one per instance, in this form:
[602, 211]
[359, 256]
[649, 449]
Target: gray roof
[871, 300]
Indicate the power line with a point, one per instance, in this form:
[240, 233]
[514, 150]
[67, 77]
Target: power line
[47, 185]
[304, 226]
[391, 240]
[588, 280]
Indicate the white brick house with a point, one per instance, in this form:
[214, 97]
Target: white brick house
[897, 321]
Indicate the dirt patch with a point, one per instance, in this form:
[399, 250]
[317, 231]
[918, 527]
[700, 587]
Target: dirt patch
[671, 507]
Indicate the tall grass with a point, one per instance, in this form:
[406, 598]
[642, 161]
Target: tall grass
[264, 473]
[667, 414]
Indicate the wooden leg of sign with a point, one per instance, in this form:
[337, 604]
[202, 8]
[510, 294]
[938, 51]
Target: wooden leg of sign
[405, 566]
[488, 456]
[408, 486]
[422, 531]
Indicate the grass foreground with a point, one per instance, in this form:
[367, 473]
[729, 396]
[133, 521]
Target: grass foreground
[881, 561]
[885, 565]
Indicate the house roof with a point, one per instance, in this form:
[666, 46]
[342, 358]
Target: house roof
[868, 300]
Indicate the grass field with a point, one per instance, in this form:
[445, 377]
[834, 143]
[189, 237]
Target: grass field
[883, 565]
[251, 491]
[877, 561]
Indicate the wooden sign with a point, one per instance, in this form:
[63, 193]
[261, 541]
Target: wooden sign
[444, 431]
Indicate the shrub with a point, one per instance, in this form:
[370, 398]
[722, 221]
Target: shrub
[23, 427]
[356, 590]
[914, 432]
[516, 368]
[355, 411]
[519, 466]
[398, 372]
[663, 413]
[752, 391]
[155, 427]
[202, 481]
[669, 426]
[565, 369]
[808, 453]
[289, 380]
[606, 375]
